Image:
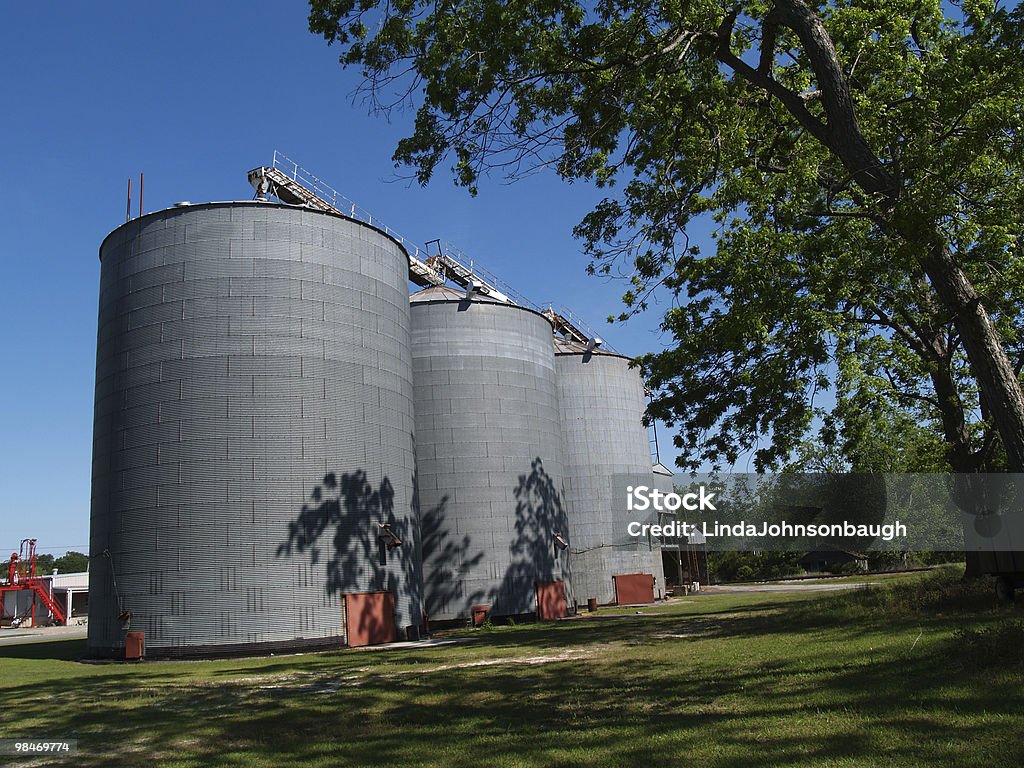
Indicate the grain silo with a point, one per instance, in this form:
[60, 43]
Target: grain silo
[253, 446]
[489, 457]
[602, 403]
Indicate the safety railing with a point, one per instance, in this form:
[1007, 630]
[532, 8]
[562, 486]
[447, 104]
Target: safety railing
[468, 263]
[328, 194]
[321, 189]
[579, 324]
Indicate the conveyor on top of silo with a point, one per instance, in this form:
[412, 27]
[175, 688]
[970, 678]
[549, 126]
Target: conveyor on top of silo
[292, 191]
[294, 185]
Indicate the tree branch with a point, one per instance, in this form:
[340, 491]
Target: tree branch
[790, 100]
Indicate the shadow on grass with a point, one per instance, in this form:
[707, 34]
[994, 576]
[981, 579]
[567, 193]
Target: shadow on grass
[611, 713]
[57, 650]
[780, 683]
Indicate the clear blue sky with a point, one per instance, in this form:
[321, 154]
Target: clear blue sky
[194, 94]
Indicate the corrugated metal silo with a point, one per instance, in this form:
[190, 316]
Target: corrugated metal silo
[602, 403]
[489, 454]
[253, 429]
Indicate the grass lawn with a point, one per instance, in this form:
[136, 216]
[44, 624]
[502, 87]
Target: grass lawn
[856, 578]
[922, 671]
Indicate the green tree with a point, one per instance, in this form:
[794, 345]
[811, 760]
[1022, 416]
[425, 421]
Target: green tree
[44, 565]
[746, 566]
[875, 428]
[72, 562]
[861, 162]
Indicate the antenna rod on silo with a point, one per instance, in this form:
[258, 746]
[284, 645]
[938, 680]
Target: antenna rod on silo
[142, 189]
[128, 206]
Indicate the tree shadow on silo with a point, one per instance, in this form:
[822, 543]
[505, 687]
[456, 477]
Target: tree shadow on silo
[344, 514]
[446, 562]
[534, 552]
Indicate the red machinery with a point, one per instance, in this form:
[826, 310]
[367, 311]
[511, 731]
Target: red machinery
[21, 577]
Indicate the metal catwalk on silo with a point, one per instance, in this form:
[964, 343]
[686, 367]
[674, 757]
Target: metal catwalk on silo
[253, 445]
[489, 456]
[602, 403]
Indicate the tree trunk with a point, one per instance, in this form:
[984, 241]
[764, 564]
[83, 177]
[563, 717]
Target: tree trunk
[989, 363]
[954, 424]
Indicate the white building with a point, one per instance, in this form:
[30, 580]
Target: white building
[69, 590]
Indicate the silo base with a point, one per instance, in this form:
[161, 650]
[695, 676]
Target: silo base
[226, 650]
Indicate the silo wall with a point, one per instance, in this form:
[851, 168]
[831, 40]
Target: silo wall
[489, 455]
[602, 402]
[253, 426]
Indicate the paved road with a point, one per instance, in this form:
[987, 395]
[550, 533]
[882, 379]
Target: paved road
[42, 634]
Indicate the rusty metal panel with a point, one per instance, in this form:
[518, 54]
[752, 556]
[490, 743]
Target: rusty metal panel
[134, 645]
[634, 588]
[551, 603]
[370, 618]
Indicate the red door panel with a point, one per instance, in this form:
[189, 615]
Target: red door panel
[634, 588]
[370, 618]
[551, 602]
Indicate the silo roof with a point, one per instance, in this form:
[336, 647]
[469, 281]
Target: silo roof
[447, 293]
[564, 346]
[438, 293]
